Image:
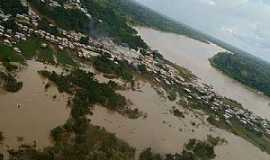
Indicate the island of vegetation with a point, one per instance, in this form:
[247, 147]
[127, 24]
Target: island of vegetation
[68, 33]
[193, 150]
[247, 69]
[9, 83]
[87, 92]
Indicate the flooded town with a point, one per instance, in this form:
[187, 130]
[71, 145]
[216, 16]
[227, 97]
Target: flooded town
[161, 97]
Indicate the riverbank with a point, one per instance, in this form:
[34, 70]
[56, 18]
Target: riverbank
[156, 94]
[194, 56]
[166, 133]
[248, 70]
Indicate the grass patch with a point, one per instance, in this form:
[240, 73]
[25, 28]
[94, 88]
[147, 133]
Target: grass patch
[183, 72]
[87, 92]
[9, 66]
[29, 47]
[258, 139]
[8, 54]
[119, 68]
[46, 55]
[95, 144]
[33, 48]
[9, 83]
[64, 58]
[247, 69]
[77, 138]
[193, 150]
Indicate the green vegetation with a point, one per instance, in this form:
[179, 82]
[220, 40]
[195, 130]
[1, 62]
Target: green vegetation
[113, 24]
[201, 150]
[10, 24]
[9, 66]
[64, 57]
[1, 137]
[84, 40]
[183, 72]
[12, 7]
[176, 112]
[9, 83]
[253, 134]
[247, 69]
[8, 54]
[32, 48]
[46, 55]
[140, 15]
[119, 68]
[72, 19]
[216, 140]
[77, 138]
[94, 144]
[88, 92]
[111, 18]
[256, 138]
[142, 68]
[147, 154]
[29, 47]
[193, 150]
[172, 94]
[105, 21]
[44, 25]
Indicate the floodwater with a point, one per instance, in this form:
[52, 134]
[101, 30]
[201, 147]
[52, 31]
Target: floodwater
[165, 133]
[38, 114]
[194, 55]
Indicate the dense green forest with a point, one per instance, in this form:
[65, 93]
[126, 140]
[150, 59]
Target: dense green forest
[121, 69]
[108, 18]
[141, 15]
[9, 82]
[105, 21]
[113, 18]
[245, 68]
[12, 7]
[136, 14]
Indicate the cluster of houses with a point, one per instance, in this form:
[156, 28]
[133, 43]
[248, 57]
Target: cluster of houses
[69, 4]
[3, 17]
[167, 73]
[10, 37]
[229, 111]
[27, 27]
[2, 29]
[226, 111]
[7, 38]
[163, 73]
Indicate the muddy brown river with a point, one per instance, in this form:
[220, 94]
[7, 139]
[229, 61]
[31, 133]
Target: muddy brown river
[38, 114]
[194, 55]
[161, 130]
[165, 133]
